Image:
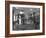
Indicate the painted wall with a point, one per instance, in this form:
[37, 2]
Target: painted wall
[2, 19]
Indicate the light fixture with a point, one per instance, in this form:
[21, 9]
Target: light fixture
[21, 12]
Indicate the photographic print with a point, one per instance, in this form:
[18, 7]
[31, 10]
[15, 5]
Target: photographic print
[25, 18]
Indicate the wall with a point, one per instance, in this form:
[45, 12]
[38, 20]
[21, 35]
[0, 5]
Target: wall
[2, 19]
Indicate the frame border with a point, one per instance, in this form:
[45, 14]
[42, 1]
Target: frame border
[7, 18]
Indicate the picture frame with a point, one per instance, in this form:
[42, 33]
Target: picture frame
[24, 7]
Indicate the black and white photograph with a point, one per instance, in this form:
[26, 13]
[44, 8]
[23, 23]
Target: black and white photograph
[25, 18]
